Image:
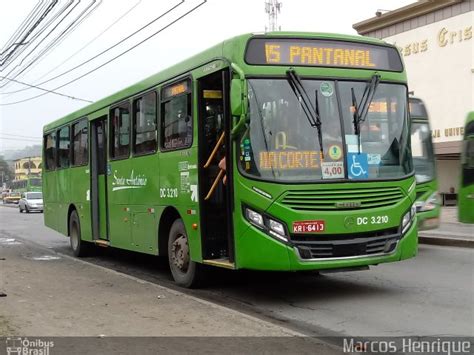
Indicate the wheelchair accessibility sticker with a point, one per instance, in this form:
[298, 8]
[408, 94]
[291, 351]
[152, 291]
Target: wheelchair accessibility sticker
[357, 166]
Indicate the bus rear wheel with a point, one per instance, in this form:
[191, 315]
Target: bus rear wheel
[186, 273]
[79, 247]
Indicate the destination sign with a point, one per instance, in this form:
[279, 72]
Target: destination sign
[322, 53]
[175, 89]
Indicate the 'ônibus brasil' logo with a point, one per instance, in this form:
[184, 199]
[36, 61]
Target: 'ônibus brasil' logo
[133, 182]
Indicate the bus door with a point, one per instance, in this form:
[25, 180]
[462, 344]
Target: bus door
[99, 178]
[214, 182]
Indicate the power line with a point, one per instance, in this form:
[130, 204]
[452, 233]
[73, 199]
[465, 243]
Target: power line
[43, 89]
[52, 44]
[114, 58]
[18, 135]
[21, 139]
[38, 33]
[36, 24]
[21, 28]
[127, 12]
[115, 45]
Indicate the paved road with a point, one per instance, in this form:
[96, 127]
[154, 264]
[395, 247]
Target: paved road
[430, 295]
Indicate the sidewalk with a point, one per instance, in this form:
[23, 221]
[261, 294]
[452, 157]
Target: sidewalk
[49, 294]
[450, 232]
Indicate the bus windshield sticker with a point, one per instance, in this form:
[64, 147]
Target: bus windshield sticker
[332, 169]
[322, 53]
[326, 89]
[335, 152]
[373, 159]
[351, 143]
[357, 166]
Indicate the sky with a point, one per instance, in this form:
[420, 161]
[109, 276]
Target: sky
[21, 124]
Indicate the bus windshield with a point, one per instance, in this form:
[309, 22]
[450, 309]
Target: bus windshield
[422, 152]
[282, 144]
[35, 182]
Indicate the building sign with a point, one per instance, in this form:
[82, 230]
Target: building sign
[445, 37]
[448, 132]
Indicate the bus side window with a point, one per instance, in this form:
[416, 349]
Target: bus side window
[80, 143]
[144, 124]
[63, 147]
[120, 131]
[50, 151]
[176, 122]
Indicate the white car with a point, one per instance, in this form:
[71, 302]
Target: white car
[31, 201]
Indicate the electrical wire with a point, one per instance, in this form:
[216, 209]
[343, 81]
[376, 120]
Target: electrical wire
[114, 58]
[18, 135]
[20, 28]
[36, 24]
[46, 90]
[127, 12]
[115, 45]
[55, 43]
[38, 35]
[66, 32]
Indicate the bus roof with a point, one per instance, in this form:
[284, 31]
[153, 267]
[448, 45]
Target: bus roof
[215, 52]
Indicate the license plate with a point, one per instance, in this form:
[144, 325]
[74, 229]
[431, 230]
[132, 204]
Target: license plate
[308, 227]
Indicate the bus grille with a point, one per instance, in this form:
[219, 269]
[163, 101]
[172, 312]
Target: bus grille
[342, 199]
[343, 246]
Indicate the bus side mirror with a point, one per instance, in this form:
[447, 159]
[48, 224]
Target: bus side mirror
[238, 104]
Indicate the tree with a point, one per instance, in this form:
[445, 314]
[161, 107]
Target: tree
[6, 173]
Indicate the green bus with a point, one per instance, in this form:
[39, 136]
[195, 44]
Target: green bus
[30, 184]
[466, 188]
[427, 198]
[285, 151]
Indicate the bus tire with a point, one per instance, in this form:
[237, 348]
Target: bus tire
[79, 247]
[186, 273]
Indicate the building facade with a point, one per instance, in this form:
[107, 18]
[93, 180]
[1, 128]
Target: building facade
[435, 38]
[29, 166]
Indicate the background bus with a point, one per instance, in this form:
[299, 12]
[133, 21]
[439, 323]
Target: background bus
[466, 188]
[30, 184]
[312, 133]
[427, 198]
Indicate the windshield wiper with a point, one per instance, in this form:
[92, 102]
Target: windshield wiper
[311, 111]
[361, 109]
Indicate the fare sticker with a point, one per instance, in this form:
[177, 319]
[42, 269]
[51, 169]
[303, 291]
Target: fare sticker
[333, 170]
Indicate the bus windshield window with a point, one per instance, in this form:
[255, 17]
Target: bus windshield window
[35, 182]
[422, 152]
[34, 195]
[281, 144]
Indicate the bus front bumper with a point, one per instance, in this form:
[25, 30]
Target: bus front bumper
[270, 254]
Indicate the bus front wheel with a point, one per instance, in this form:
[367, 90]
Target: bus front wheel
[186, 272]
[78, 246]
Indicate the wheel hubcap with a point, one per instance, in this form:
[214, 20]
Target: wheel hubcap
[180, 253]
[74, 238]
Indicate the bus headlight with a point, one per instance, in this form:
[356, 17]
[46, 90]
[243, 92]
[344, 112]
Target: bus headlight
[269, 225]
[276, 227]
[408, 218]
[430, 204]
[254, 217]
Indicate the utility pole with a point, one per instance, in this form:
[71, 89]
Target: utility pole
[272, 8]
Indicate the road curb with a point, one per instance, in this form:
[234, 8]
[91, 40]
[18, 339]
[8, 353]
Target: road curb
[452, 242]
